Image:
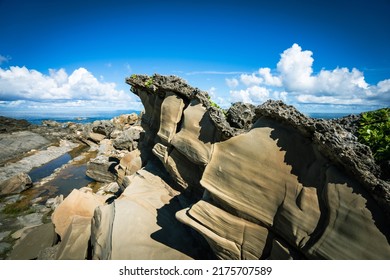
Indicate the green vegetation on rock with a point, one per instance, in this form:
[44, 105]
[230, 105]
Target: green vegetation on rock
[374, 131]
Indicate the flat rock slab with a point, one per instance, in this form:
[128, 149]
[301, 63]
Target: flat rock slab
[17, 143]
[39, 238]
[39, 158]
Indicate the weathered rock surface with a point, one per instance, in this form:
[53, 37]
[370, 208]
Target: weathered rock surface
[275, 183]
[77, 203]
[141, 223]
[101, 169]
[37, 239]
[20, 142]
[15, 184]
[261, 182]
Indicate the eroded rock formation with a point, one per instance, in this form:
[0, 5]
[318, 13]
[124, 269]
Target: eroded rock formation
[261, 182]
[273, 184]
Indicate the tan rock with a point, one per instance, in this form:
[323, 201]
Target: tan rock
[128, 165]
[101, 235]
[96, 137]
[171, 113]
[75, 204]
[230, 237]
[15, 184]
[143, 223]
[197, 134]
[352, 231]
[74, 243]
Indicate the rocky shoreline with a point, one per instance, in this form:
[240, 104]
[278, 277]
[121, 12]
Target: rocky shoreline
[186, 180]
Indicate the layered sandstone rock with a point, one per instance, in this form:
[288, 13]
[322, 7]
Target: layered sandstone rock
[273, 183]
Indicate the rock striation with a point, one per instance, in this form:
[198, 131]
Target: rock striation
[196, 182]
[272, 184]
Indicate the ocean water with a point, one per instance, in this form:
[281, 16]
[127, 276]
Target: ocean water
[328, 116]
[82, 117]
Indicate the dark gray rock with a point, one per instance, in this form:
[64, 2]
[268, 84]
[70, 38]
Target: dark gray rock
[8, 125]
[128, 139]
[102, 169]
[39, 238]
[103, 127]
[241, 115]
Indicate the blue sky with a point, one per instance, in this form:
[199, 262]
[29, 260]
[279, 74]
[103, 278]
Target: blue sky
[320, 56]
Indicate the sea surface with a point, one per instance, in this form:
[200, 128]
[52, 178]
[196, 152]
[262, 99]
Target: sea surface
[63, 117]
[36, 118]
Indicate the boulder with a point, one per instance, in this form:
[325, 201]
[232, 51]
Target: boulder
[241, 115]
[54, 202]
[128, 165]
[15, 184]
[74, 243]
[128, 139]
[103, 127]
[125, 120]
[96, 137]
[77, 203]
[101, 169]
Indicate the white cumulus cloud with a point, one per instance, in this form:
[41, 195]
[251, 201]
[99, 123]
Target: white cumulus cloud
[58, 88]
[294, 81]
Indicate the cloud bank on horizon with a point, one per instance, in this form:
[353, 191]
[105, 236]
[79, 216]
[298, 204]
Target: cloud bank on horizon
[293, 81]
[25, 89]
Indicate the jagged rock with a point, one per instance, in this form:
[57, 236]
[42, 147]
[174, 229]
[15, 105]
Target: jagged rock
[101, 169]
[103, 127]
[312, 187]
[77, 203]
[8, 125]
[240, 115]
[126, 120]
[15, 184]
[128, 139]
[335, 143]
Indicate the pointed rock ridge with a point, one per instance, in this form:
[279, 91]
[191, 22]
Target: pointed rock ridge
[272, 184]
